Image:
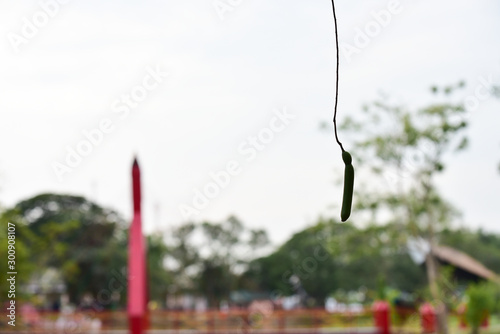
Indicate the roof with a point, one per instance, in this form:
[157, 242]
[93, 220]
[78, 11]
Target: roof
[464, 262]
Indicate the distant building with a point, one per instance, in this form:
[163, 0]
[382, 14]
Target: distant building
[466, 268]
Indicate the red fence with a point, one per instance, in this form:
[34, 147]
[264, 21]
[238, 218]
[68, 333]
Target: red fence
[234, 321]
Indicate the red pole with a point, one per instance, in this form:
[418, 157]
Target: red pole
[136, 186]
[428, 318]
[381, 316]
[137, 299]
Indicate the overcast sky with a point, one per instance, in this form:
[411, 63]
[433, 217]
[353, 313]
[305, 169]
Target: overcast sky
[187, 84]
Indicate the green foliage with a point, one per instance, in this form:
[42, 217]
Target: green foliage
[404, 149]
[331, 257]
[215, 282]
[83, 241]
[361, 257]
[24, 266]
[449, 288]
[304, 257]
[213, 259]
[209, 257]
[381, 288]
[159, 277]
[481, 302]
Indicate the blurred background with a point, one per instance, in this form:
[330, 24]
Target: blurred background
[228, 105]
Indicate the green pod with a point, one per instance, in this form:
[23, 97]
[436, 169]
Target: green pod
[348, 186]
[346, 156]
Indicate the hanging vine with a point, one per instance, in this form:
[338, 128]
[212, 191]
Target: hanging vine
[346, 157]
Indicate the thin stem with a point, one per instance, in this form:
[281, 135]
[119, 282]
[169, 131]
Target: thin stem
[337, 79]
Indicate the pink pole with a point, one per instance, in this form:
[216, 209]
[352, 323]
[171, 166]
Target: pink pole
[137, 299]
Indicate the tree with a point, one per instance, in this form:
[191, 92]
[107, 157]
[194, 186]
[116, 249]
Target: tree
[481, 302]
[208, 257]
[331, 257]
[159, 277]
[184, 256]
[20, 238]
[301, 265]
[85, 242]
[407, 148]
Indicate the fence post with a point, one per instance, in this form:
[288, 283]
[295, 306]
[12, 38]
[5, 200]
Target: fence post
[428, 318]
[282, 321]
[381, 316]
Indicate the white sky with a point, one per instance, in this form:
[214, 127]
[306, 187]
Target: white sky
[226, 76]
